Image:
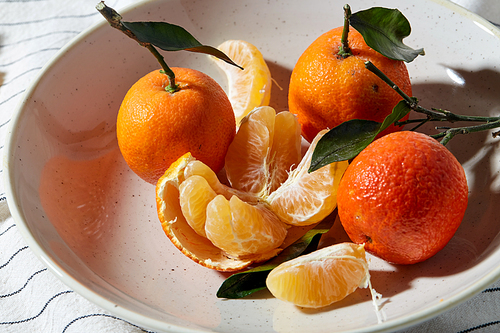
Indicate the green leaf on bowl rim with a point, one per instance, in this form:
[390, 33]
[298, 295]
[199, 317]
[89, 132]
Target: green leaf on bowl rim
[384, 29]
[245, 283]
[171, 37]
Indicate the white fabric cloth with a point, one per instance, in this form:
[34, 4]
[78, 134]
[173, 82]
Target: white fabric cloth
[34, 300]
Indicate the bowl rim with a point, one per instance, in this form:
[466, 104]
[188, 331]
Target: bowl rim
[144, 320]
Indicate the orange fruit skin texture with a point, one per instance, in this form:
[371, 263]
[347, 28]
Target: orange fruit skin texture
[404, 196]
[326, 90]
[154, 127]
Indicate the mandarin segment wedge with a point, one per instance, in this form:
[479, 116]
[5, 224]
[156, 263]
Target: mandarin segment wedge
[248, 88]
[322, 277]
[194, 195]
[307, 198]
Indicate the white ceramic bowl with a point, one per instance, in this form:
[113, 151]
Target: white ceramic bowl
[94, 224]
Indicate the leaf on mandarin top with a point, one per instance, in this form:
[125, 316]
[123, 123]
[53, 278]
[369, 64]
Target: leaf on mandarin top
[171, 37]
[245, 283]
[348, 139]
[384, 29]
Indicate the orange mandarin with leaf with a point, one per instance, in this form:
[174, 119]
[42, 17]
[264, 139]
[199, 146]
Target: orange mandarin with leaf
[327, 88]
[155, 126]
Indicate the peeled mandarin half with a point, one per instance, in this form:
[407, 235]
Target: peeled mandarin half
[307, 198]
[178, 230]
[248, 88]
[322, 277]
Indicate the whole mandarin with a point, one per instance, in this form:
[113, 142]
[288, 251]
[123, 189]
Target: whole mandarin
[156, 127]
[404, 197]
[327, 89]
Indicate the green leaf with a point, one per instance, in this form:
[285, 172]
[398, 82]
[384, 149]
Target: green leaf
[384, 29]
[245, 283]
[343, 142]
[349, 138]
[171, 37]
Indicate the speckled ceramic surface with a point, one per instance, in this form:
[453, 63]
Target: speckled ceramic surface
[93, 222]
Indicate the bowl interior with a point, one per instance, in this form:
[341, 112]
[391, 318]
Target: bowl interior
[94, 223]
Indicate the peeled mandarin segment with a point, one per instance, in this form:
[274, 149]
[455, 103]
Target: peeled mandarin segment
[248, 88]
[322, 277]
[286, 149]
[243, 230]
[194, 195]
[175, 226]
[246, 159]
[175, 173]
[307, 198]
[198, 168]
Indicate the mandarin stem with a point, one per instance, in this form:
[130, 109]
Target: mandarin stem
[451, 132]
[372, 68]
[344, 49]
[114, 20]
[438, 114]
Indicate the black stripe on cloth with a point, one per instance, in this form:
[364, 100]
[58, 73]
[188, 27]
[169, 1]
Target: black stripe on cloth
[37, 315]
[8, 99]
[490, 290]
[102, 315]
[8, 228]
[40, 36]
[2, 196]
[5, 123]
[12, 257]
[48, 19]
[25, 284]
[20, 75]
[478, 327]
[30, 54]
[14, 1]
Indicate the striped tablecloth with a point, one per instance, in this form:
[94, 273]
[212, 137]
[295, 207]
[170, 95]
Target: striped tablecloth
[31, 298]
